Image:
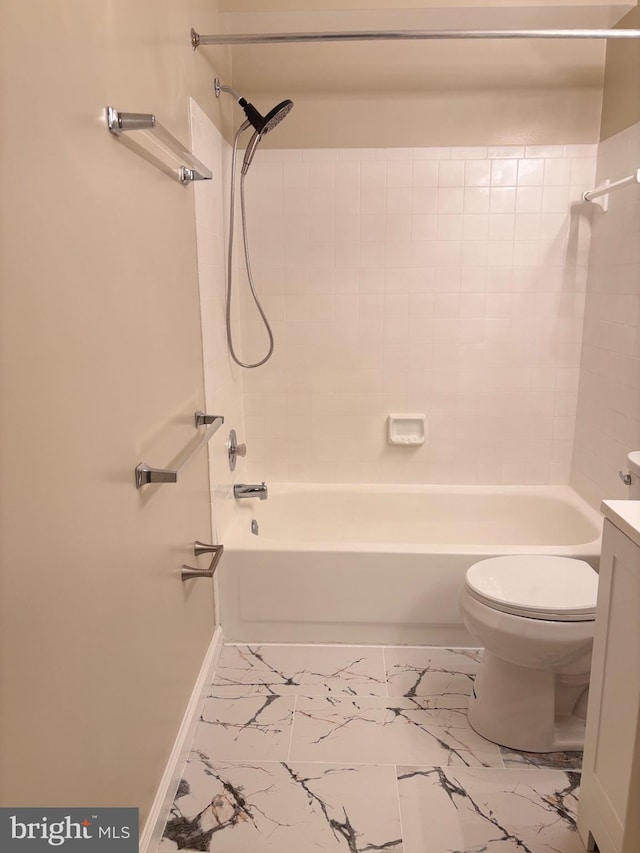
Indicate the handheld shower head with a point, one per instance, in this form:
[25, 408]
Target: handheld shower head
[261, 124]
[276, 115]
[267, 123]
[250, 151]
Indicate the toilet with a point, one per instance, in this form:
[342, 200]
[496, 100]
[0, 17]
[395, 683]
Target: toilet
[535, 617]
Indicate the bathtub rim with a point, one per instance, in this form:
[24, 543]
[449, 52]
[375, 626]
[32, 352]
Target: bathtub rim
[239, 537]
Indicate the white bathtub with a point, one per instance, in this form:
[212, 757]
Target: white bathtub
[382, 564]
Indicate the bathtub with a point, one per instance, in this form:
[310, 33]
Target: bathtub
[382, 564]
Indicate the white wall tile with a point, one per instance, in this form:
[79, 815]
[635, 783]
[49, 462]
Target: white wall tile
[529, 199]
[504, 172]
[476, 199]
[425, 173]
[502, 200]
[450, 280]
[398, 199]
[608, 410]
[477, 173]
[530, 172]
[451, 173]
[557, 172]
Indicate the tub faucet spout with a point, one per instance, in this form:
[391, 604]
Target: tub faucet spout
[243, 490]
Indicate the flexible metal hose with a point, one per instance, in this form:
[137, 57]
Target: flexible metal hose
[247, 262]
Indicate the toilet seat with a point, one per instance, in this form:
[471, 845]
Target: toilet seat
[557, 589]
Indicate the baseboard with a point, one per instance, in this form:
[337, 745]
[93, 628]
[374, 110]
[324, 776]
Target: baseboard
[152, 832]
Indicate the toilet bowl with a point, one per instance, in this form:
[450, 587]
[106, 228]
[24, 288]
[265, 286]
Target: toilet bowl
[535, 617]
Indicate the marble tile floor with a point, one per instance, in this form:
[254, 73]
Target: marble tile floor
[358, 749]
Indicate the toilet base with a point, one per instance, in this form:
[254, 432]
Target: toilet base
[516, 707]
[569, 735]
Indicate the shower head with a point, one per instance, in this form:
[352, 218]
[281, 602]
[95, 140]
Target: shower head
[261, 124]
[268, 123]
[276, 115]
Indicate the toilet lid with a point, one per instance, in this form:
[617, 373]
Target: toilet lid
[560, 589]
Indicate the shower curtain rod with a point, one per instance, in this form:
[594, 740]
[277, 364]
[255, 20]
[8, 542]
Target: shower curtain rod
[408, 35]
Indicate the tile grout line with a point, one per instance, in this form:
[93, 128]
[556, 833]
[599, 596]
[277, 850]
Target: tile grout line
[395, 770]
[293, 722]
[384, 669]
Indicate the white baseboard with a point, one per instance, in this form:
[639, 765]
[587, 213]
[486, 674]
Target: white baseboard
[152, 832]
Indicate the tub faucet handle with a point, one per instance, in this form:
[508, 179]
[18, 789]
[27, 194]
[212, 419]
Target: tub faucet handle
[234, 449]
[189, 572]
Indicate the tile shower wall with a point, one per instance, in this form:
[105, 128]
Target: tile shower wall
[608, 425]
[448, 281]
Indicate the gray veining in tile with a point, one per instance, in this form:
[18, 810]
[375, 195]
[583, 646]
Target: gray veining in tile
[368, 730]
[310, 670]
[503, 811]
[284, 807]
[246, 728]
[298, 748]
[446, 673]
[546, 760]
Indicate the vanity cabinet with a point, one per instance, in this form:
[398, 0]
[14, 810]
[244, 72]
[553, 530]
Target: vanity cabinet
[609, 803]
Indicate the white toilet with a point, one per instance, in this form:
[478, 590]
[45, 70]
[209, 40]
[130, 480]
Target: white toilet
[535, 617]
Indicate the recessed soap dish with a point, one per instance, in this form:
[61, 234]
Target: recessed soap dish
[406, 429]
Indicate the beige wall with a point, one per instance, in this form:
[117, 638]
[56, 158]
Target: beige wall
[414, 94]
[101, 368]
[621, 96]
[452, 117]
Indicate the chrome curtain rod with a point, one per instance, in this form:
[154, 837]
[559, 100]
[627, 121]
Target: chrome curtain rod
[408, 35]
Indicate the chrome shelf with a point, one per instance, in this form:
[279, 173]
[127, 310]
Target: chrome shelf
[190, 169]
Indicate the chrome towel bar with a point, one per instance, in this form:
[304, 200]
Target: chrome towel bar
[188, 572]
[611, 186]
[190, 170]
[145, 474]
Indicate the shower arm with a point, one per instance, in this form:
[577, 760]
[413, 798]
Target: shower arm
[218, 88]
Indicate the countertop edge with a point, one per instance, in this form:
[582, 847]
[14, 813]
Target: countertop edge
[625, 515]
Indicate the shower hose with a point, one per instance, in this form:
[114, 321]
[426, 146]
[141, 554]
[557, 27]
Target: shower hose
[247, 262]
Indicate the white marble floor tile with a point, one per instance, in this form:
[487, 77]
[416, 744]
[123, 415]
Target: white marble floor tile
[547, 760]
[447, 673]
[297, 750]
[502, 811]
[284, 807]
[309, 670]
[248, 727]
[369, 730]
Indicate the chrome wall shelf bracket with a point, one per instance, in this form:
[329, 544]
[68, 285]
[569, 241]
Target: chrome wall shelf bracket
[190, 168]
[188, 572]
[200, 419]
[145, 474]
